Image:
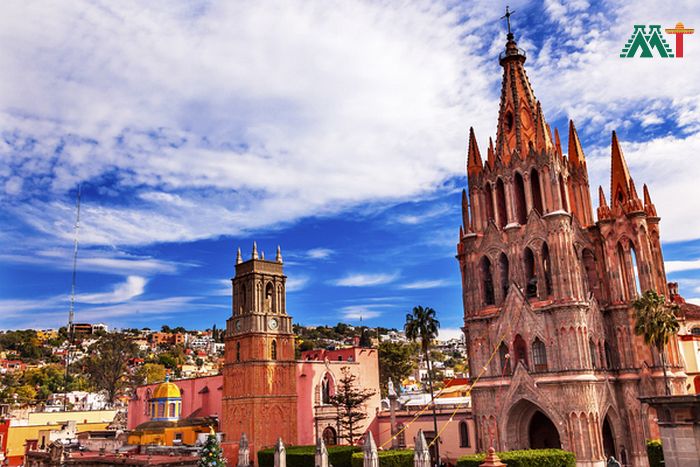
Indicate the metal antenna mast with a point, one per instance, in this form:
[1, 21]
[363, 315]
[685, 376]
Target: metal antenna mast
[71, 311]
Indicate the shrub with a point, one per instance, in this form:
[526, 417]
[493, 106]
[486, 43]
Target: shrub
[525, 458]
[655, 453]
[303, 456]
[390, 458]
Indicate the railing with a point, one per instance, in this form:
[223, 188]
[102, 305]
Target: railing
[516, 51]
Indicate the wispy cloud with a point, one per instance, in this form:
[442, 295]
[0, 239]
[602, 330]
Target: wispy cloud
[362, 312]
[445, 334]
[320, 253]
[366, 280]
[131, 288]
[676, 266]
[425, 284]
[297, 283]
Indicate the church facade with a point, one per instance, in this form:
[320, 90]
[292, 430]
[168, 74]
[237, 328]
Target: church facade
[547, 290]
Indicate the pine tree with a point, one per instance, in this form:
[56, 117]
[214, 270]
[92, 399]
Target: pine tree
[350, 401]
[211, 454]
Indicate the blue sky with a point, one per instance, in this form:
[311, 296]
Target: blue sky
[334, 129]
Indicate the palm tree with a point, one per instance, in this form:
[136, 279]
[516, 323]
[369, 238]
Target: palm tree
[422, 325]
[656, 321]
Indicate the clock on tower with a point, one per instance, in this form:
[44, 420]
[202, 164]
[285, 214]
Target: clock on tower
[259, 396]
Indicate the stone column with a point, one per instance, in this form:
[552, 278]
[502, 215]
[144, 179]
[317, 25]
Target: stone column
[392, 414]
[280, 454]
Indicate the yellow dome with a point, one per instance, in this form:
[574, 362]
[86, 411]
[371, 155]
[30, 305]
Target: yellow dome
[167, 390]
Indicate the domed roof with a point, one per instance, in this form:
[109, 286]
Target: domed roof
[167, 390]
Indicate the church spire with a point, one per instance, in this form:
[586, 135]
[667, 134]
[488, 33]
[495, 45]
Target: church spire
[491, 157]
[603, 208]
[557, 144]
[474, 164]
[648, 205]
[619, 174]
[576, 156]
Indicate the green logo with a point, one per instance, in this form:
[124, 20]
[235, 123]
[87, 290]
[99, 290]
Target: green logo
[648, 42]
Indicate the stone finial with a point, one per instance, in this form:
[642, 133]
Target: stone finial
[243, 452]
[255, 250]
[321, 456]
[421, 456]
[262, 255]
[492, 460]
[390, 388]
[279, 254]
[370, 456]
[239, 257]
[280, 454]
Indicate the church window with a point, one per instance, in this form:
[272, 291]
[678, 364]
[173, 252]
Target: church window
[520, 207]
[592, 351]
[148, 398]
[489, 203]
[273, 350]
[269, 290]
[501, 203]
[635, 269]
[243, 299]
[509, 121]
[161, 409]
[530, 278]
[326, 390]
[695, 331]
[171, 410]
[504, 357]
[608, 356]
[487, 281]
[463, 434]
[329, 436]
[562, 193]
[590, 272]
[505, 273]
[238, 351]
[536, 191]
[624, 275]
[547, 269]
[539, 355]
[520, 349]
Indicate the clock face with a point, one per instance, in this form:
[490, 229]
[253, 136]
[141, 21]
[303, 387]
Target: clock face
[273, 323]
[238, 325]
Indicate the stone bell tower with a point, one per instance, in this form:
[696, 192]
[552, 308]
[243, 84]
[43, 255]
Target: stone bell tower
[260, 397]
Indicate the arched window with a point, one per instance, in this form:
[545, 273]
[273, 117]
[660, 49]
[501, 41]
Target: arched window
[501, 204]
[624, 276]
[171, 410]
[241, 307]
[635, 269]
[520, 349]
[326, 390]
[463, 434]
[238, 351]
[161, 409]
[608, 356]
[329, 436]
[539, 355]
[269, 290]
[489, 203]
[273, 350]
[547, 269]
[504, 273]
[562, 193]
[147, 398]
[530, 278]
[520, 206]
[487, 281]
[592, 351]
[591, 275]
[536, 191]
[504, 358]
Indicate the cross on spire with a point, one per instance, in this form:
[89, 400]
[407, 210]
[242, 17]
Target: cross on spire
[507, 18]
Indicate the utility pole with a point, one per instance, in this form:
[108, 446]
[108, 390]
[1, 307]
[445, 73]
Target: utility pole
[71, 311]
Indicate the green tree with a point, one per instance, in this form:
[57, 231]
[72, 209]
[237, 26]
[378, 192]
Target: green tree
[211, 454]
[396, 361]
[422, 326]
[350, 402]
[149, 373]
[107, 365]
[656, 322]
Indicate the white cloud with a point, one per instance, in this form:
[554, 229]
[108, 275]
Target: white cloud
[445, 334]
[676, 266]
[366, 280]
[363, 312]
[319, 253]
[426, 284]
[132, 287]
[297, 283]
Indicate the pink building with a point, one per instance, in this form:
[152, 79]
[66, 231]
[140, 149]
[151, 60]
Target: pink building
[317, 375]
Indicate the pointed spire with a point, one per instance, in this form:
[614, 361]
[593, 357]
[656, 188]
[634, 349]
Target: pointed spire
[278, 258]
[239, 257]
[474, 164]
[255, 250]
[491, 154]
[604, 212]
[543, 142]
[634, 204]
[576, 156]
[557, 144]
[619, 176]
[262, 255]
[370, 457]
[648, 205]
[421, 455]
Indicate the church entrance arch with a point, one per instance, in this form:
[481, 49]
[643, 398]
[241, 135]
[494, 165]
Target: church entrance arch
[529, 427]
[608, 439]
[330, 438]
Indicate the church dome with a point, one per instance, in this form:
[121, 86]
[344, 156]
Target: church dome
[167, 390]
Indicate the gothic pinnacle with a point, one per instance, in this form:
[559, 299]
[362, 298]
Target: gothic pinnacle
[239, 258]
[557, 144]
[278, 258]
[474, 164]
[576, 156]
[648, 205]
[619, 174]
[491, 156]
[255, 250]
